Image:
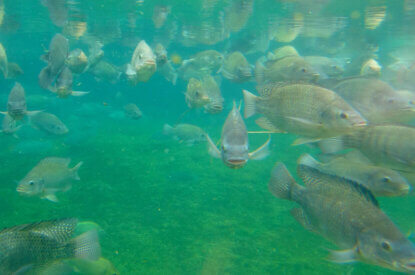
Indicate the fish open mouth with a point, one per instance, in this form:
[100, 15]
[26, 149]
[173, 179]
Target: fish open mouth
[235, 163]
[21, 189]
[410, 266]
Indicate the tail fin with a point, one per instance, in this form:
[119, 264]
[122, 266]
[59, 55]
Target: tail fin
[87, 246]
[249, 100]
[281, 182]
[308, 160]
[75, 170]
[167, 129]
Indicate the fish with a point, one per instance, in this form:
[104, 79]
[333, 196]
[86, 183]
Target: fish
[307, 110]
[13, 70]
[58, 11]
[161, 54]
[186, 133]
[64, 83]
[49, 176]
[195, 95]
[371, 68]
[237, 68]
[168, 72]
[77, 61]
[48, 123]
[4, 64]
[29, 248]
[143, 64]
[9, 126]
[201, 64]
[325, 67]
[380, 181]
[386, 145]
[58, 52]
[104, 70]
[237, 14]
[234, 148]
[289, 68]
[347, 214]
[132, 111]
[377, 101]
[16, 104]
[212, 90]
[160, 14]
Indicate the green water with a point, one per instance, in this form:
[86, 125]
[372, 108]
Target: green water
[168, 208]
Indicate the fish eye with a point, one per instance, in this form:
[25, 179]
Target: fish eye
[386, 246]
[31, 182]
[386, 179]
[344, 115]
[391, 100]
[304, 70]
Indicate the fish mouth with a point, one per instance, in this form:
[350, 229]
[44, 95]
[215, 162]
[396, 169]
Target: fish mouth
[21, 190]
[409, 266]
[235, 163]
[361, 123]
[149, 62]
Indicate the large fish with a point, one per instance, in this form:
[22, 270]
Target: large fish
[388, 145]
[303, 109]
[377, 101]
[234, 149]
[29, 248]
[381, 181]
[347, 214]
[143, 64]
[49, 176]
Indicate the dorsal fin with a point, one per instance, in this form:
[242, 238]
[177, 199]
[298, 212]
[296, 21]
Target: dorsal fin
[314, 176]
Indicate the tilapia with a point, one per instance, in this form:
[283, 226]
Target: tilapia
[143, 64]
[13, 70]
[187, 133]
[212, 90]
[104, 70]
[289, 68]
[380, 181]
[132, 111]
[325, 67]
[202, 64]
[77, 61]
[48, 123]
[30, 248]
[64, 85]
[234, 149]
[58, 11]
[9, 126]
[303, 109]
[237, 68]
[3, 61]
[377, 101]
[387, 145]
[347, 214]
[49, 176]
[16, 104]
[195, 95]
[160, 14]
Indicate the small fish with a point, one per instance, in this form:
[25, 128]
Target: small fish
[187, 133]
[58, 11]
[14, 70]
[29, 248]
[288, 68]
[16, 104]
[77, 61]
[234, 149]
[3, 61]
[49, 176]
[64, 85]
[195, 95]
[347, 214]
[143, 64]
[160, 14]
[104, 70]
[237, 68]
[202, 64]
[307, 110]
[9, 126]
[381, 181]
[132, 111]
[371, 68]
[48, 123]
[325, 67]
[212, 90]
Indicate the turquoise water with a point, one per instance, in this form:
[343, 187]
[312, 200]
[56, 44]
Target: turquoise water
[165, 207]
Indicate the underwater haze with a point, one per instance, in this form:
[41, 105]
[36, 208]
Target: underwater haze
[163, 203]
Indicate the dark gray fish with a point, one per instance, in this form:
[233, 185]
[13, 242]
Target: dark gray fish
[235, 146]
[347, 214]
[132, 111]
[58, 11]
[16, 104]
[28, 248]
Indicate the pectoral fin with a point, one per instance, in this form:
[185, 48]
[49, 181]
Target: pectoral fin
[343, 256]
[262, 152]
[301, 218]
[304, 121]
[51, 197]
[301, 141]
[264, 123]
[78, 93]
[212, 149]
[32, 113]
